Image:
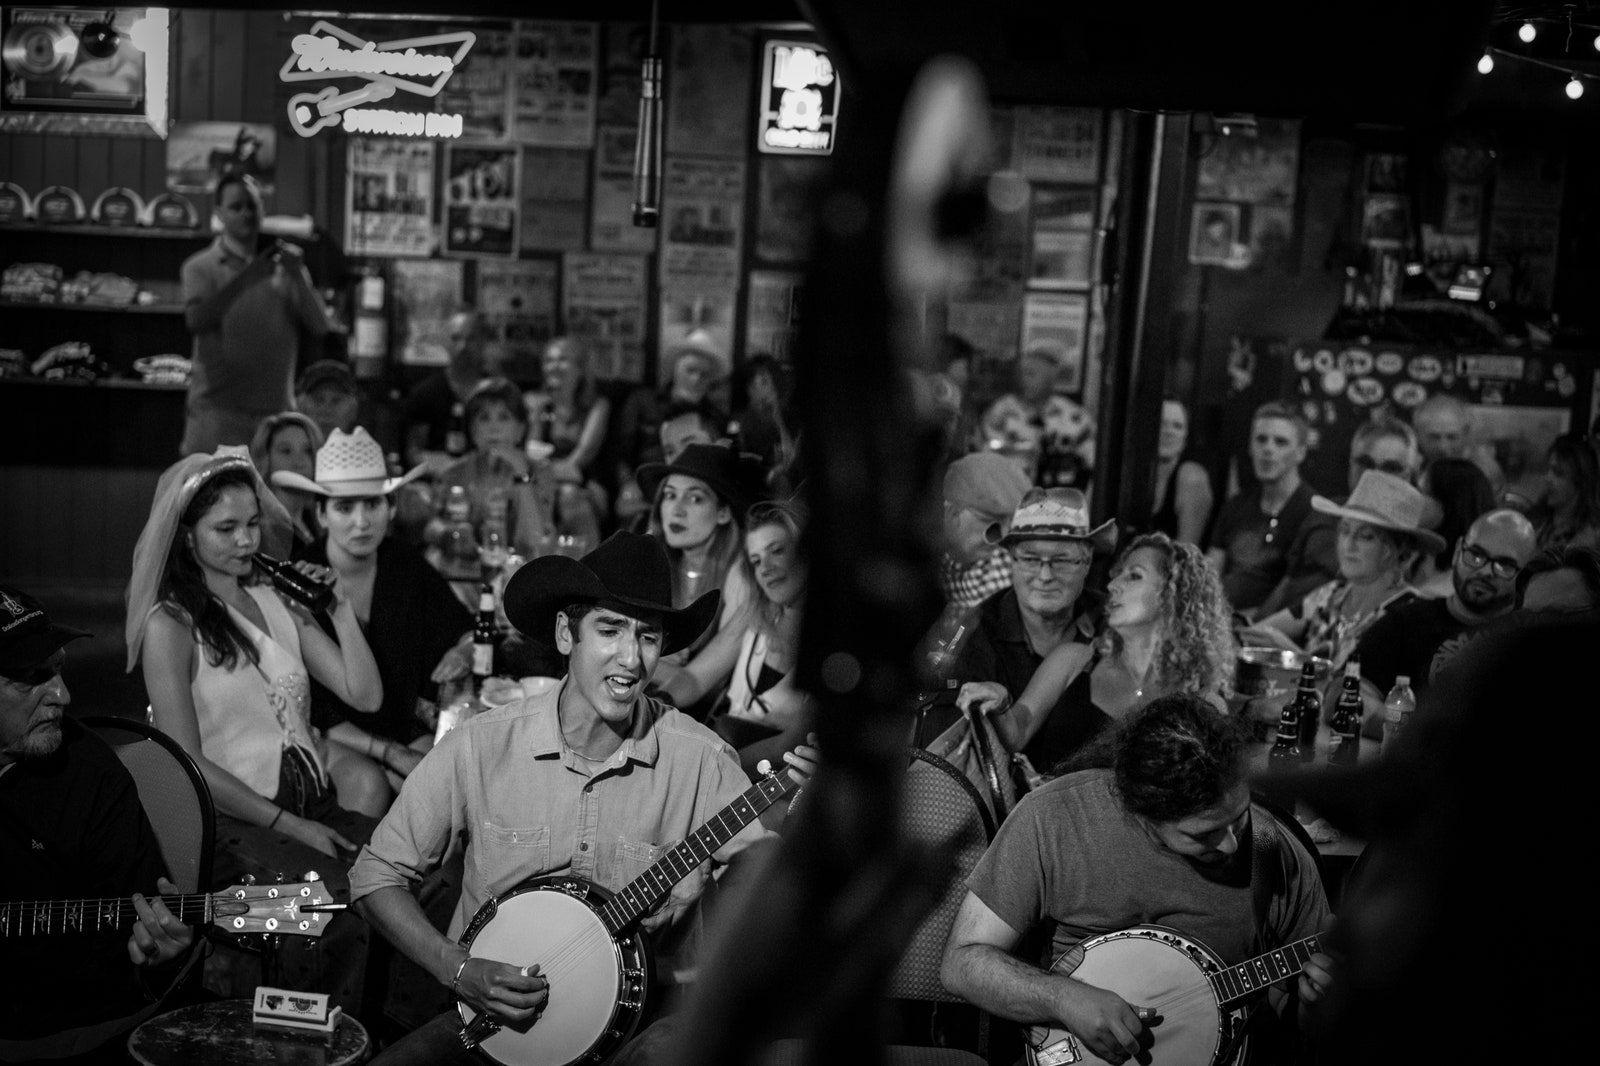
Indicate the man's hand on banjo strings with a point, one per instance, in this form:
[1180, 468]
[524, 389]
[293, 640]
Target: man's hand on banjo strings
[512, 995]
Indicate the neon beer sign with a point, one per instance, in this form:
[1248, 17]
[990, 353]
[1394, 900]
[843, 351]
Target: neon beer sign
[329, 52]
[799, 110]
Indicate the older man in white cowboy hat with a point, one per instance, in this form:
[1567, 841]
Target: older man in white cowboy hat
[1050, 545]
[592, 779]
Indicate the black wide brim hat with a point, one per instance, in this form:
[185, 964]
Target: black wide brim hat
[629, 573]
[738, 478]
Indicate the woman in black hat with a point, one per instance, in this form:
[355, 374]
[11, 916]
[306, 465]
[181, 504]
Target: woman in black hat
[699, 514]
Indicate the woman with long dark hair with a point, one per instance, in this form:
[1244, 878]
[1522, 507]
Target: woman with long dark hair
[1569, 513]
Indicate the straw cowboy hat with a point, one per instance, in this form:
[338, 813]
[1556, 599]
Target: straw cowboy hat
[1389, 502]
[1054, 514]
[629, 573]
[737, 477]
[349, 464]
[699, 341]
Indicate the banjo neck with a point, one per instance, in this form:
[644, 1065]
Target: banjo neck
[641, 895]
[1238, 982]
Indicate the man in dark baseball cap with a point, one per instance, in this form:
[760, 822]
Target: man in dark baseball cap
[71, 826]
[30, 657]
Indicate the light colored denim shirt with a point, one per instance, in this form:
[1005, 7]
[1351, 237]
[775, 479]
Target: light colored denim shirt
[528, 808]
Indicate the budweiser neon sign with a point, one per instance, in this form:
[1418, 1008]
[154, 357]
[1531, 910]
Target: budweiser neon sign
[330, 52]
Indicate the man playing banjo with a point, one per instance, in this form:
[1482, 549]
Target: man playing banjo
[1168, 836]
[592, 779]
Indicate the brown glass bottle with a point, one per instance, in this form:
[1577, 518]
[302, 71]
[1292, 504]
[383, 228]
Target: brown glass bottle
[315, 596]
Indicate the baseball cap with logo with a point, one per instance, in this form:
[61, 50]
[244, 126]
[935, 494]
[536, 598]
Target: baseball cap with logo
[27, 636]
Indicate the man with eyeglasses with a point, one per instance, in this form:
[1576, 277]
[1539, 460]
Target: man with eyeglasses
[1385, 444]
[1050, 546]
[1419, 638]
[980, 491]
[71, 827]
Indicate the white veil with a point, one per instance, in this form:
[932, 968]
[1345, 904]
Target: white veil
[177, 486]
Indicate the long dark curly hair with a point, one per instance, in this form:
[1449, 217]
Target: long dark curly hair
[1195, 647]
[183, 585]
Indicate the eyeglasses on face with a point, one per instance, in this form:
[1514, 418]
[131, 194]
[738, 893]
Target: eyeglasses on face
[1500, 566]
[1066, 564]
[1388, 466]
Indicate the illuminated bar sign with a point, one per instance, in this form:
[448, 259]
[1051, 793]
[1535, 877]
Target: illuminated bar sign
[330, 53]
[799, 100]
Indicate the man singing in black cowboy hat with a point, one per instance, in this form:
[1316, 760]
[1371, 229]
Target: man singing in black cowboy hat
[593, 779]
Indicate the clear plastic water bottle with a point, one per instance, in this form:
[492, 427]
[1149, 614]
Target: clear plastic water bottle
[1397, 708]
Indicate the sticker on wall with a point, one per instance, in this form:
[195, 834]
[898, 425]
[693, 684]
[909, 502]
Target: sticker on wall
[1390, 363]
[1364, 392]
[1333, 382]
[1357, 361]
[1409, 394]
[1424, 368]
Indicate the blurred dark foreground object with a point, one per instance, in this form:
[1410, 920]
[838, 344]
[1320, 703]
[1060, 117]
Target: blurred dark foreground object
[1465, 934]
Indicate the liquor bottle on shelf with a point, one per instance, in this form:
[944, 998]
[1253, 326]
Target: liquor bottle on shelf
[315, 596]
[1397, 709]
[1345, 740]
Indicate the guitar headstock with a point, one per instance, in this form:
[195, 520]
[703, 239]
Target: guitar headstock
[300, 908]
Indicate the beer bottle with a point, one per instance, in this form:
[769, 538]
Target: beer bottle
[484, 633]
[1345, 741]
[455, 437]
[1287, 746]
[315, 596]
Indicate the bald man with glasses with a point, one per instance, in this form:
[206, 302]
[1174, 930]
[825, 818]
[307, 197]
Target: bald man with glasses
[1420, 638]
[1051, 548]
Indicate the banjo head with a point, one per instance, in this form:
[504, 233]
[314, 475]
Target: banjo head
[556, 929]
[1153, 967]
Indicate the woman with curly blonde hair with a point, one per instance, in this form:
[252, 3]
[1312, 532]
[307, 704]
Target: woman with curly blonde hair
[1167, 631]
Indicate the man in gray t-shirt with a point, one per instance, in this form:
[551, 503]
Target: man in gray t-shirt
[1170, 837]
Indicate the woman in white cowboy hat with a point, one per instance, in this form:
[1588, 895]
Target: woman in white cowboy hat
[420, 633]
[1383, 531]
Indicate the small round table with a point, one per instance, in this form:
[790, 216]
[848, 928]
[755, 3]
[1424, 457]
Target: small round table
[222, 1034]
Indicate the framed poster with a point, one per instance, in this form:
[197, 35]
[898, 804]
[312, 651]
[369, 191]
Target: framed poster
[555, 189]
[1262, 169]
[480, 200]
[603, 301]
[199, 154]
[554, 81]
[1062, 242]
[517, 306]
[426, 293]
[702, 216]
[85, 70]
[479, 90]
[389, 197]
[1059, 144]
[1214, 236]
[1058, 324]
[708, 89]
[611, 227]
[772, 313]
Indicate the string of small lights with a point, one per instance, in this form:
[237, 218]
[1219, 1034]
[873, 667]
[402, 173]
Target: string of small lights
[1528, 29]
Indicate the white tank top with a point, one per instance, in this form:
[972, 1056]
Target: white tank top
[250, 713]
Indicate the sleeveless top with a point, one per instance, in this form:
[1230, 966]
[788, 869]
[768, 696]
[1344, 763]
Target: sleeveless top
[1073, 722]
[778, 704]
[250, 714]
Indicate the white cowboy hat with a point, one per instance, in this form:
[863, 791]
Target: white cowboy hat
[1389, 502]
[349, 464]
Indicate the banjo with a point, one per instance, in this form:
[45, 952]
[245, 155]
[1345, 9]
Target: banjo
[587, 943]
[1196, 999]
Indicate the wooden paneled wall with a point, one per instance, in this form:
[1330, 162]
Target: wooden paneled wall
[71, 527]
[223, 68]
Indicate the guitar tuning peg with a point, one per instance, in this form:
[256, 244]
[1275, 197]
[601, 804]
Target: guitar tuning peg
[311, 875]
[248, 879]
[278, 878]
[764, 767]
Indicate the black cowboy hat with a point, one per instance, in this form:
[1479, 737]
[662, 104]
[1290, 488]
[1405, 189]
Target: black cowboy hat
[629, 573]
[735, 476]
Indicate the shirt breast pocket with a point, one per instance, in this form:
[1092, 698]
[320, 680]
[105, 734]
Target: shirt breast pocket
[507, 856]
[632, 860]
